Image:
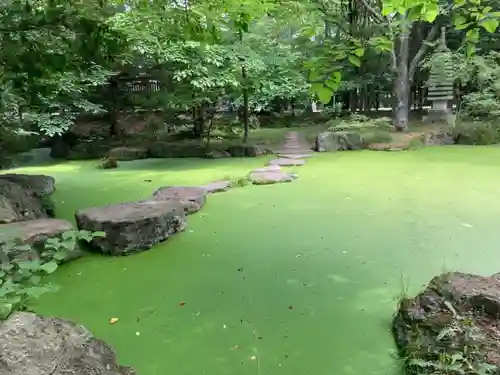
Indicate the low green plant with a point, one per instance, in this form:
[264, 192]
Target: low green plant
[416, 143]
[477, 133]
[457, 351]
[21, 277]
[361, 123]
[241, 182]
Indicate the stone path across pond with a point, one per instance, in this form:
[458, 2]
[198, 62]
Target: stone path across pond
[132, 227]
[293, 153]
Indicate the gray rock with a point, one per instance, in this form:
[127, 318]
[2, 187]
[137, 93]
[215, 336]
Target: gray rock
[456, 313]
[132, 227]
[35, 233]
[127, 153]
[191, 198]
[270, 177]
[218, 186]
[162, 149]
[338, 141]
[284, 162]
[269, 168]
[217, 154]
[247, 150]
[439, 138]
[40, 184]
[35, 345]
[18, 204]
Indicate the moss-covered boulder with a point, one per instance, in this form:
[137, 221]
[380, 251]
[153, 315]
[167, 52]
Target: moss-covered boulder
[247, 151]
[338, 141]
[127, 153]
[88, 150]
[176, 150]
[452, 327]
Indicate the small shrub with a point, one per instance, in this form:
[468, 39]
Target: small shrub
[241, 182]
[458, 350]
[21, 280]
[360, 123]
[108, 163]
[416, 143]
[477, 133]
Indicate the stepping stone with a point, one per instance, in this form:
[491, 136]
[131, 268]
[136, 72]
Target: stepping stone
[270, 168]
[132, 227]
[35, 233]
[218, 186]
[192, 198]
[294, 156]
[284, 162]
[271, 177]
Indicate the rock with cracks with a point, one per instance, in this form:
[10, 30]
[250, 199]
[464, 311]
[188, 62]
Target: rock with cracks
[19, 204]
[192, 198]
[36, 345]
[270, 177]
[41, 185]
[284, 162]
[35, 233]
[338, 141]
[457, 314]
[132, 227]
[218, 186]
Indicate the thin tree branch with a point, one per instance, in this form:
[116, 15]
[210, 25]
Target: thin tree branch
[431, 36]
[372, 11]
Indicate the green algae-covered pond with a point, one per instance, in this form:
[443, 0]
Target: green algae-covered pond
[295, 279]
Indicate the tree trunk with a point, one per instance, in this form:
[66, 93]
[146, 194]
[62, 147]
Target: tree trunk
[198, 121]
[114, 109]
[245, 105]
[402, 83]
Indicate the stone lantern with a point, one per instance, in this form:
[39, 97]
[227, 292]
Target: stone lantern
[440, 82]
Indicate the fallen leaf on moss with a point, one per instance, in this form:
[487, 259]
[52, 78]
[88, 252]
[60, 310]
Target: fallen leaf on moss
[113, 320]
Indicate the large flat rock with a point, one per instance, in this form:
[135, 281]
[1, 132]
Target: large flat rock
[128, 153]
[132, 227]
[40, 184]
[294, 156]
[35, 233]
[218, 186]
[192, 198]
[270, 177]
[34, 345]
[285, 162]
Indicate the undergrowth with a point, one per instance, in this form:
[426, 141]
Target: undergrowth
[23, 267]
[457, 348]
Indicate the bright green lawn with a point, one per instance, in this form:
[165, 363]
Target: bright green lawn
[296, 279]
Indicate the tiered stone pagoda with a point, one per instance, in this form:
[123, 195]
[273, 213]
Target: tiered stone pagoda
[440, 82]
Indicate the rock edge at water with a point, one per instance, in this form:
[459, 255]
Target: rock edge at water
[34, 345]
[455, 320]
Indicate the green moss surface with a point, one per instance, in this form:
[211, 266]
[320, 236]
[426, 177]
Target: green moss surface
[296, 279]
